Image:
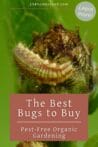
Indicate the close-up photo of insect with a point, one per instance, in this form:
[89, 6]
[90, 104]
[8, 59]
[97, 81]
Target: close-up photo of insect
[59, 60]
[49, 48]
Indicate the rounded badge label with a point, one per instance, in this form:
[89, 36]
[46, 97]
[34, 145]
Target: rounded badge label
[85, 11]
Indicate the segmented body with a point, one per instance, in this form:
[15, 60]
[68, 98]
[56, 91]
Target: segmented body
[56, 57]
[44, 70]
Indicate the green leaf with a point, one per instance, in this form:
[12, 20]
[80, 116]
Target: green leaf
[68, 144]
[93, 100]
[62, 144]
[26, 20]
[92, 142]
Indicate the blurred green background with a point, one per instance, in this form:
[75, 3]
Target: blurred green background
[17, 23]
